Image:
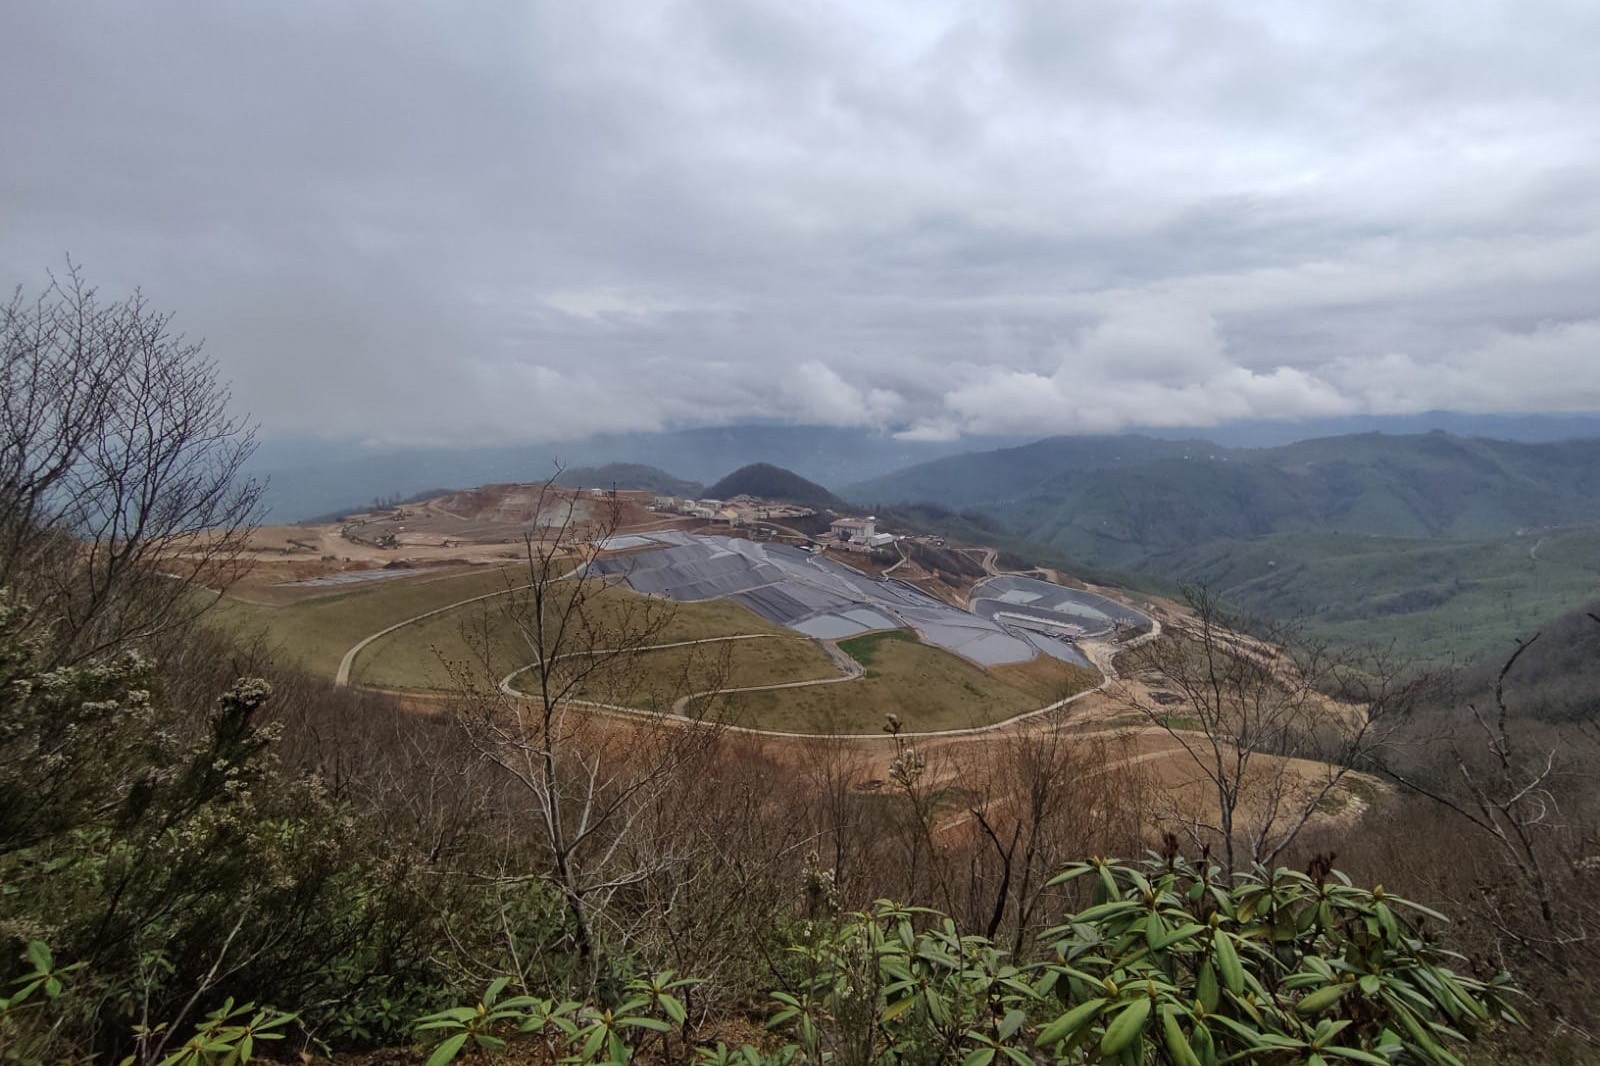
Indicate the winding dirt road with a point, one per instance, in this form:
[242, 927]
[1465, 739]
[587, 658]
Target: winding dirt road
[342, 678]
[1099, 654]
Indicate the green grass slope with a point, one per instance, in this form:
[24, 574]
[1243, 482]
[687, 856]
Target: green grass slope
[314, 634]
[478, 643]
[927, 687]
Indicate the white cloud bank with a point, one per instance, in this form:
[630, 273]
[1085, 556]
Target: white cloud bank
[540, 220]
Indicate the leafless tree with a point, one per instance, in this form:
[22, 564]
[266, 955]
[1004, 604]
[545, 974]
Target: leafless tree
[592, 774]
[1510, 792]
[1274, 723]
[121, 468]
[1056, 797]
[919, 778]
[831, 805]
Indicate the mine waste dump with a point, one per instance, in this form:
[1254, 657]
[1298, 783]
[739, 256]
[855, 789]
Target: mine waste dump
[1013, 618]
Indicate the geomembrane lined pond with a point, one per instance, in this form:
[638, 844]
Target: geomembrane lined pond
[1011, 622]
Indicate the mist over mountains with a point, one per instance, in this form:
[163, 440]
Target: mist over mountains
[1451, 545]
[311, 477]
[306, 482]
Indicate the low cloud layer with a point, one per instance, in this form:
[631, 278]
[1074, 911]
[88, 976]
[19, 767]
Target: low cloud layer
[533, 221]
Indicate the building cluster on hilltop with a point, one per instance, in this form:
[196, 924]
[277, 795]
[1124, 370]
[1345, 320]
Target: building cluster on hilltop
[739, 511]
[849, 534]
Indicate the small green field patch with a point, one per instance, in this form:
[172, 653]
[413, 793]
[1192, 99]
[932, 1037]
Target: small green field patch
[864, 649]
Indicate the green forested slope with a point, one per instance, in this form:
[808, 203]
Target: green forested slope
[1114, 499]
[1452, 546]
[771, 483]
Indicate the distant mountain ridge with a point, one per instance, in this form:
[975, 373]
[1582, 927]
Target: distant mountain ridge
[1118, 500]
[1525, 428]
[771, 482]
[312, 478]
[1447, 548]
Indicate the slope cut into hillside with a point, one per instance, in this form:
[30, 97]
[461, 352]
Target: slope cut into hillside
[628, 477]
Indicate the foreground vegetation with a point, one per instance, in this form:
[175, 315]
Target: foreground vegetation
[1169, 963]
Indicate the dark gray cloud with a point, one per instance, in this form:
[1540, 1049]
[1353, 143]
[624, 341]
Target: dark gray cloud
[524, 221]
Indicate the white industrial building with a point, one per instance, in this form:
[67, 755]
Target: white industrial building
[860, 534]
[854, 530]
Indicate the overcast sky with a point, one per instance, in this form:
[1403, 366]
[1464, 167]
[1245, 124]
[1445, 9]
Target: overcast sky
[474, 222]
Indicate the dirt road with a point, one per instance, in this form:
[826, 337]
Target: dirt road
[851, 670]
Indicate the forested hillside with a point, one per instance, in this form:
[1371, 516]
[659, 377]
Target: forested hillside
[770, 482]
[1118, 499]
[1450, 546]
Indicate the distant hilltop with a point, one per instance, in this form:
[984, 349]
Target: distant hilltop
[767, 482]
[759, 481]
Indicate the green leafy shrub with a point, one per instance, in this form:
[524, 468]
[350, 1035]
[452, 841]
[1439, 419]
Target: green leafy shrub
[31, 1014]
[570, 1031]
[1169, 963]
[160, 844]
[31, 1029]
[1276, 966]
[227, 1037]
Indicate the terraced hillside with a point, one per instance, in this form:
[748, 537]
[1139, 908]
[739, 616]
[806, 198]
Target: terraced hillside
[927, 688]
[470, 633]
[783, 641]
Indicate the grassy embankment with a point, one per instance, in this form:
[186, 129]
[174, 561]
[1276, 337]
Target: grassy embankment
[315, 633]
[928, 688]
[315, 630]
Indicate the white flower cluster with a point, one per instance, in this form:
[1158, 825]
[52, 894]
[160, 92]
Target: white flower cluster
[907, 767]
[821, 885]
